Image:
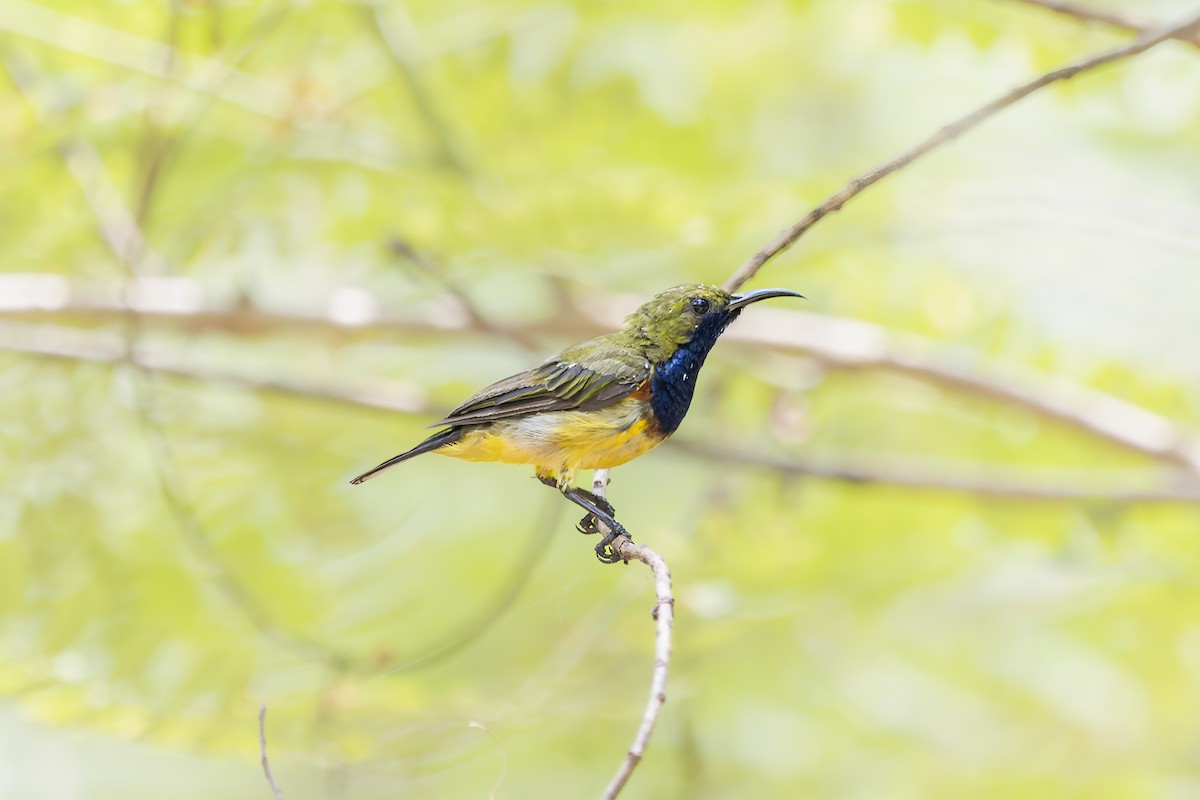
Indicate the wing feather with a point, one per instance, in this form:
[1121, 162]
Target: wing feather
[560, 384]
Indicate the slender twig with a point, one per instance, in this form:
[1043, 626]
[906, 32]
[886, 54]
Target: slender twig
[1109, 18]
[946, 134]
[664, 617]
[262, 748]
[837, 343]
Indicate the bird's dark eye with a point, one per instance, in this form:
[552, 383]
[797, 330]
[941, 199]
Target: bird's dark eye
[700, 306]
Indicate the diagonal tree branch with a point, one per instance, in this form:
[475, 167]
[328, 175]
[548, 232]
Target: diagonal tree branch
[1109, 18]
[854, 345]
[949, 133]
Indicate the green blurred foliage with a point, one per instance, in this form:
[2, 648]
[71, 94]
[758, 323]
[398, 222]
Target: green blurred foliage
[175, 553]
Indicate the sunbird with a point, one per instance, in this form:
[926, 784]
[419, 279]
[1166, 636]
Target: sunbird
[596, 404]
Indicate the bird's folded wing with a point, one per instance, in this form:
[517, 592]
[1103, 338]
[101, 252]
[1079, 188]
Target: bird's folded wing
[557, 385]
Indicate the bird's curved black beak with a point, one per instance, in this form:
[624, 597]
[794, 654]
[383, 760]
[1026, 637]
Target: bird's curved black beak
[741, 300]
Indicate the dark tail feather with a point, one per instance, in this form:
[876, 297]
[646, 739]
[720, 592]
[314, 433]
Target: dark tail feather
[442, 439]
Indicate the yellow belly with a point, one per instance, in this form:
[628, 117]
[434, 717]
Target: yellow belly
[563, 441]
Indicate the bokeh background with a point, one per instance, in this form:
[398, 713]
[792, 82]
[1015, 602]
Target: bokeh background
[249, 249]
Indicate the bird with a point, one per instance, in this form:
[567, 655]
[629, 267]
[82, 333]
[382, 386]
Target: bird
[596, 404]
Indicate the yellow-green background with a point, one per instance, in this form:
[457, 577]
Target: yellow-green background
[833, 640]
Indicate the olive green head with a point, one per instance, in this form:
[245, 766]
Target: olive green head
[691, 313]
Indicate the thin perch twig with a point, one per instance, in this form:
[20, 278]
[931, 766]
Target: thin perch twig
[664, 617]
[947, 134]
[262, 748]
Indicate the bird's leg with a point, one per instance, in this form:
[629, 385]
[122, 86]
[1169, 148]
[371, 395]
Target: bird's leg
[587, 525]
[599, 510]
[587, 501]
[603, 503]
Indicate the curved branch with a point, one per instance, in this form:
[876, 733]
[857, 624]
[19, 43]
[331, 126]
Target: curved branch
[947, 134]
[664, 618]
[854, 345]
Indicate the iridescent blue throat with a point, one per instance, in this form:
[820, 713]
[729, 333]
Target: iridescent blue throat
[674, 381]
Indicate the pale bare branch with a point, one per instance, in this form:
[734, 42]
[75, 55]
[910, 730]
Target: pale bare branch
[854, 345]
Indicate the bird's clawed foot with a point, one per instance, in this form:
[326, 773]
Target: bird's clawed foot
[606, 553]
[600, 513]
[589, 524]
